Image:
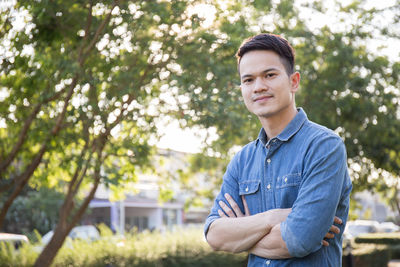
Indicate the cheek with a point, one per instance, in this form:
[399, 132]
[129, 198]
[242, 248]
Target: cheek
[245, 94]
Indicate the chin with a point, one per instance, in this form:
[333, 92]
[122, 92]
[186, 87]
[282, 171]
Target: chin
[264, 113]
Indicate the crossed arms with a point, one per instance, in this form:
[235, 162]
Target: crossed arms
[258, 234]
[275, 234]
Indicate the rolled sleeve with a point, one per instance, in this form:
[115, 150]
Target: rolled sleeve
[318, 198]
[230, 186]
[210, 219]
[294, 245]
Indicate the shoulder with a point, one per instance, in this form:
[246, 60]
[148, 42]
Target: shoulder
[322, 142]
[244, 154]
[247, 150]
[316, 132]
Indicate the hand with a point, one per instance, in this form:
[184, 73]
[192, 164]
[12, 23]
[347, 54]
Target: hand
[332, 231]
[281, 215]
[236, 212]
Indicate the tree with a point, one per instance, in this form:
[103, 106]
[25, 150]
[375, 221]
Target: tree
[345, 85]
[34, 210]
[84, 85]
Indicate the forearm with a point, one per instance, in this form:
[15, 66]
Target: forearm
[271, 246]
[238, 234]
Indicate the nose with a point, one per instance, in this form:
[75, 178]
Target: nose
[259, 85]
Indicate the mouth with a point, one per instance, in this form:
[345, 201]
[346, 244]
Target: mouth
[262, 98]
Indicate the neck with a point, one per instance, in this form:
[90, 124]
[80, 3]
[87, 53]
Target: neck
[275, 124]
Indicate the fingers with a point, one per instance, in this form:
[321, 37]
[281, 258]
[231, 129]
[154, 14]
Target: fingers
[334, 229]
[226, 209]
[221, 214]
[234, 205]
[233, 210]
[246, 207]
[337, 220]
[329, 235]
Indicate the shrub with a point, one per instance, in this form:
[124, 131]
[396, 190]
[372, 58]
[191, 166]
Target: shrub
[371, 250]
[179, 248]
[379, 238]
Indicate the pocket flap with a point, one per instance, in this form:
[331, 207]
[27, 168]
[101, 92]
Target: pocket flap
[288, 180]
[248, 187]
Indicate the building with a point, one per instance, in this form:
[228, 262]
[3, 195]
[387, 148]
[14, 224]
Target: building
[135, 212]
[142, 210]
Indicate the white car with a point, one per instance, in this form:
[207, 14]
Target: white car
[85, 232]
[14, 239]
[358, 227]
[388, 227]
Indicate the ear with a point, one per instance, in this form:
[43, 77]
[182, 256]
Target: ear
[295, 81]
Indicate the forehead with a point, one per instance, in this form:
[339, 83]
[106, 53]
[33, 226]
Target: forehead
[257, 61]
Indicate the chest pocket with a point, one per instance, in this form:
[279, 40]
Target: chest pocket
[251, 191]
[287, 188]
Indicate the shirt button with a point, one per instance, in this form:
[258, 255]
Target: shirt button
[268, 262]
[269, 186]
[269, 160]
[247, 189]
[285, 179]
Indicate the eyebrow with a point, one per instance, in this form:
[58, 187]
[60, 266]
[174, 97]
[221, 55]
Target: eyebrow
[264, 71]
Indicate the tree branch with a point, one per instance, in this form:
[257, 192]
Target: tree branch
[85, 53]
[25, 176]
[24, 131]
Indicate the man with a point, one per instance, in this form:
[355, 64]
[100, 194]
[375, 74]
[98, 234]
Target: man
[282, 192]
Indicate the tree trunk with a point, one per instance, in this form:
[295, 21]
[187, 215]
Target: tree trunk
[50, 251]
[64, 226]
[23, 179]
[48, 254]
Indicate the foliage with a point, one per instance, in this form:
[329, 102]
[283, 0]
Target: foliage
[182, 247]
[345, 86]
[85, 84]
[375, 255]
[35, 210]
[379, 238]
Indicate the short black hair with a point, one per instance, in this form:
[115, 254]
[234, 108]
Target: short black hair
[272, 42]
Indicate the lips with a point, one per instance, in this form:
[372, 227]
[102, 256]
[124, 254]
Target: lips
[261, 97]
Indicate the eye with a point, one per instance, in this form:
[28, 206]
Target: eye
[247, 80]
[270, 75]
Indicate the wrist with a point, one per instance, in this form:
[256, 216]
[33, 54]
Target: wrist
[268, 219]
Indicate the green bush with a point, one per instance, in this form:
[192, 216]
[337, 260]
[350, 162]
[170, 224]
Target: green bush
[182, 247]
[376, 250]
[379, 238]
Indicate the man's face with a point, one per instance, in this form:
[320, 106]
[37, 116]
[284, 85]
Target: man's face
[266, 87]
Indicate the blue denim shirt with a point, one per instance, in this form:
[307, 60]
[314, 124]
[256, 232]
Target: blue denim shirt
[303, 168]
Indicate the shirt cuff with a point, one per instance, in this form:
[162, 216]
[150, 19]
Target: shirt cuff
[208, 223]
[293, 245]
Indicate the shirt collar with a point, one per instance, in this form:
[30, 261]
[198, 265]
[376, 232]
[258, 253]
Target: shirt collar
[291, 129]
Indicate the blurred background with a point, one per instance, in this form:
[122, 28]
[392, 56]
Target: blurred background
[118, 118]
